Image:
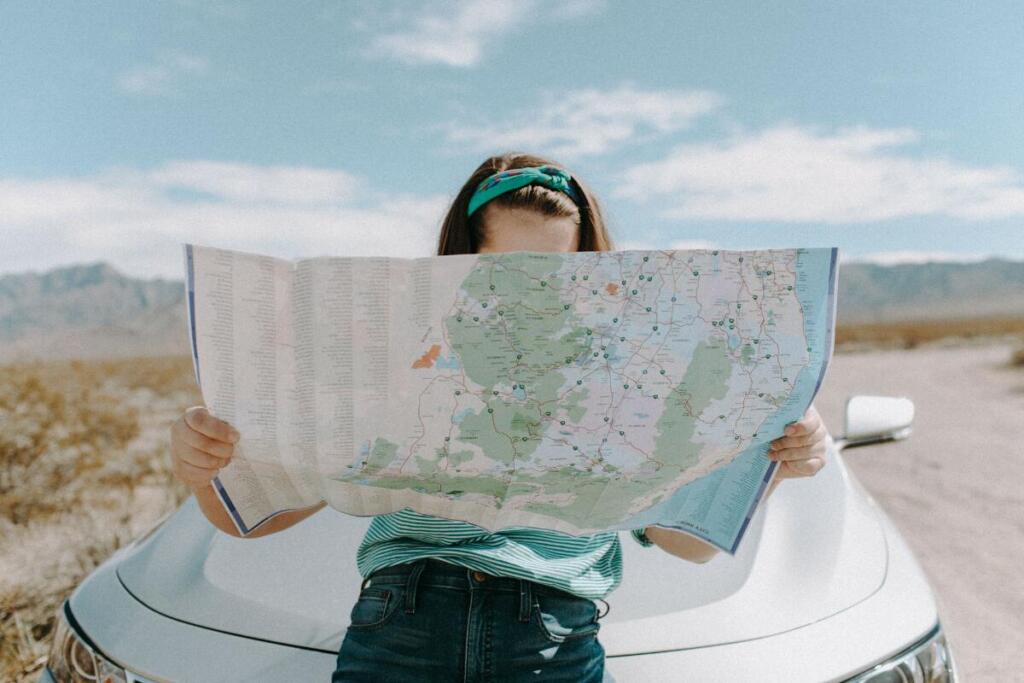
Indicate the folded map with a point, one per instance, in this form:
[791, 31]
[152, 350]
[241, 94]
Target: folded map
[572, 391]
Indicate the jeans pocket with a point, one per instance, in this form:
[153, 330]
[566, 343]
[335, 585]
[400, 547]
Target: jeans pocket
[564, 617]
[373, 608]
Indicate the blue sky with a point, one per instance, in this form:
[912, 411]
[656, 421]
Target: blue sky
[297, 129]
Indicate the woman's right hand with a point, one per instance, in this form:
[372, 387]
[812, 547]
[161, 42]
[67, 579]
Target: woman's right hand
[201, 445]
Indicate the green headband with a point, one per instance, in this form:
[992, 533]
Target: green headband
[513, 179]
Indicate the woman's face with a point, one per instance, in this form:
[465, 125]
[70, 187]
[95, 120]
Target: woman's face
[508, 229]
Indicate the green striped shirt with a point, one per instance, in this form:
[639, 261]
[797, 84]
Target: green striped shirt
[588, 566]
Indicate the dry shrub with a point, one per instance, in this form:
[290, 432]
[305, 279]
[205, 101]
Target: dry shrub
[56, 432]
[166, 374]
[1017, 358]
[84, 469]
[913, 333]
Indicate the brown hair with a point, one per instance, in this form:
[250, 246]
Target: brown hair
[461, 234]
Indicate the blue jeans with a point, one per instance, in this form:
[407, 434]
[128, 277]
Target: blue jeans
[433, 621]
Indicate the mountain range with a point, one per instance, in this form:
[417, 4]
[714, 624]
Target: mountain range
[95, 311]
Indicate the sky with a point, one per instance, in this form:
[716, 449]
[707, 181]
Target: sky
[894, 131]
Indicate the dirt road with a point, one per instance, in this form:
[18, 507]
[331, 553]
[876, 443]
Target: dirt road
[954, 488]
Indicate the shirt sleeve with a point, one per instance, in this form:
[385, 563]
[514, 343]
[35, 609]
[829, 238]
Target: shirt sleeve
[641, 537]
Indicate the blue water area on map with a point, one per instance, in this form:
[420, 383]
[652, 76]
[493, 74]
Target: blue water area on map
[462, 415]
[449, 363]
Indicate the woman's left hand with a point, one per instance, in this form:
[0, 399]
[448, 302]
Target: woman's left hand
[801, 452]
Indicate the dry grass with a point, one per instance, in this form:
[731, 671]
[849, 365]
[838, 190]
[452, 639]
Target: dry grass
[911, 334]
[83, 469]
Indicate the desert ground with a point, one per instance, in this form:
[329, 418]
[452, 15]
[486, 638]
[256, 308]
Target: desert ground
[954, 487]
[84, 469]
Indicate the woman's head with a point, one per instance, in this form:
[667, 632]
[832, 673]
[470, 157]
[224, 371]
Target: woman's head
[530, 218]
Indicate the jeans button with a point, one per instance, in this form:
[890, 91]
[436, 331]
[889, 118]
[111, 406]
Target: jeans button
[479, 576]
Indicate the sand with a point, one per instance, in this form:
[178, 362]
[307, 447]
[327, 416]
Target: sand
[955, 488]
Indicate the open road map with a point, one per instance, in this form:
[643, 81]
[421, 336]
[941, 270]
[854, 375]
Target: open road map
[580, 391]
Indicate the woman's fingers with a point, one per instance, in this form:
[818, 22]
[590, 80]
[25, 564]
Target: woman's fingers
[800, 468]
[806, 425]
[799, 453]
[802, 452]
[809, 429]
[205, 444]
[800, 440]
[200, 420]
[202, 459]
[814, 446]
[201, 445]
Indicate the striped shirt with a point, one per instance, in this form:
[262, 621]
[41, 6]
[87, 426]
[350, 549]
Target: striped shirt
[587, 566]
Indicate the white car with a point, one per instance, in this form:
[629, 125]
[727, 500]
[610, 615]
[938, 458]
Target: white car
[823, 589]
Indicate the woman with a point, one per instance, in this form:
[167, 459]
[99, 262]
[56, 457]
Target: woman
[445, 600]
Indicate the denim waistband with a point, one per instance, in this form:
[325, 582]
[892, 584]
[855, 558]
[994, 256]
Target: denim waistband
[433, 572]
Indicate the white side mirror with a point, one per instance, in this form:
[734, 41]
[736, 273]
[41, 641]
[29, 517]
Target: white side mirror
[874, 419]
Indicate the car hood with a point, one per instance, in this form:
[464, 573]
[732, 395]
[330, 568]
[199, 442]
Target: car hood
[814, 548]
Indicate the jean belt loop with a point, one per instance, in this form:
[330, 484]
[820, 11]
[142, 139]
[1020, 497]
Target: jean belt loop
[411, 584]
[525, 600]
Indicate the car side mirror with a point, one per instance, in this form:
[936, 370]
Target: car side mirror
[876, 419]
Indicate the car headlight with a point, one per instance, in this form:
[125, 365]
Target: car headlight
[74, 660]
[927, 661]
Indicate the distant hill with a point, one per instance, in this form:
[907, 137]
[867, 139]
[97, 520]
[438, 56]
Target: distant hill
[930, 291]
[89, 311]
[94, 311]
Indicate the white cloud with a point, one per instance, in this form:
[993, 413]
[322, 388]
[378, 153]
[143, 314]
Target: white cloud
[163, 76]
[453, 35]
[589, 122]
[456, 34]
[272, 184]
[137, 219]
[853, 175]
